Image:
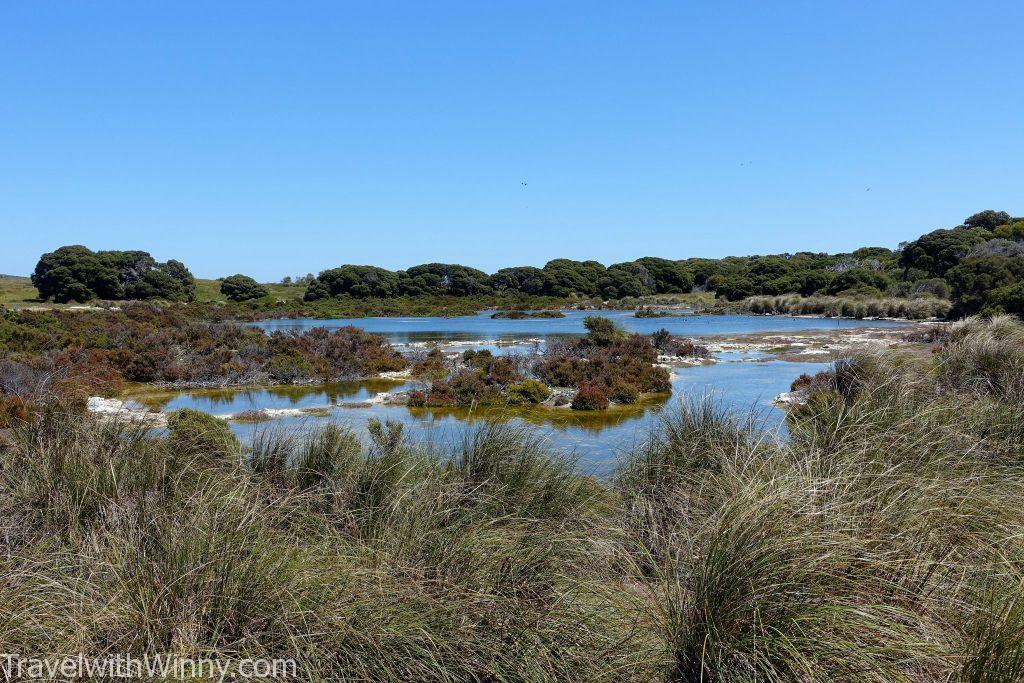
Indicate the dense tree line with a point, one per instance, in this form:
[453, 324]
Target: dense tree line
[979, 265]
[981, 261]
[560, 278]
[76, 273]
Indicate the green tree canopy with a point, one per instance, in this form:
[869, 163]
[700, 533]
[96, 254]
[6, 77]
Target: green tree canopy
[936, 252]
[76, 273]
[441, 279]
[241, 288]
[987, 219]
[567, 277]
[523, 279]
[357, 281]
[975, 279]
[669, 277]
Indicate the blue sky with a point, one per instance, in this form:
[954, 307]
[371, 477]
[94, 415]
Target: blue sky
[280, 138]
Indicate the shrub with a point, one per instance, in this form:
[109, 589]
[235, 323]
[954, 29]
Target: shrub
[527, 392]
[589, 397]
[14, 410]
[602, 331]
[241, 288]
[623, 392]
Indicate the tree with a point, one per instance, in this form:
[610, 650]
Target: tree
[987, 219]
[356, 281]
[1008, 299]
[669, 277]
[443, 279]
[522, 279]
[566, 277]
[1011, 231]
[938, 251]
[241, 288]
[974, 280]
[733, 283]
[625, 280]
[859, 279]
[76, 273]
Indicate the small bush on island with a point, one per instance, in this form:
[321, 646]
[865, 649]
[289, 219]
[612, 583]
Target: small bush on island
[480, 379]
[648, 312]
[241, 288]
[527, 392]
[663, 341]
[590, 397]
[621, 365]
[524, 315]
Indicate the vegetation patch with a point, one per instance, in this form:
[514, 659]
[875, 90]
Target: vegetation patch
[152, 344]
[524, 315]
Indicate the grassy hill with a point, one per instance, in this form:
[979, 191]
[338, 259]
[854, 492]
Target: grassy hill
[17, 292]
[209, 290]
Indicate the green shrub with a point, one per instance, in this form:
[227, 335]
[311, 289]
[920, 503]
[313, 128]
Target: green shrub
[241, 288]
[527, 392]
[623, 392]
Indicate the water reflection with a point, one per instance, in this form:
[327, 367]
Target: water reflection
[743, 382]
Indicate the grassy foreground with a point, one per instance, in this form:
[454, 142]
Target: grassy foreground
[882, 542]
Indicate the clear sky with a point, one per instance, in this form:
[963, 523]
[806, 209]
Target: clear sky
[277, 138]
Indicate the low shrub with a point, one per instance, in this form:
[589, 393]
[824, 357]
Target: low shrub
[527, 392]
[590, 397]
[96, 351]
[608, 358]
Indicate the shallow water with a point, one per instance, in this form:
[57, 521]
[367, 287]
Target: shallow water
[482, 328]
[743, 382]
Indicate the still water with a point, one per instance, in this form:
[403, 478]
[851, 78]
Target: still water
[743, 382]
[482, 328]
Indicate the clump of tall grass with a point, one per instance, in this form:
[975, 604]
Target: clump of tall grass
[880, 542]
[850, 307]
[985, 356]
[386, 563]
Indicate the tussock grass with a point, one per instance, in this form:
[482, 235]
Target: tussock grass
[850, 307]
[881, 541]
